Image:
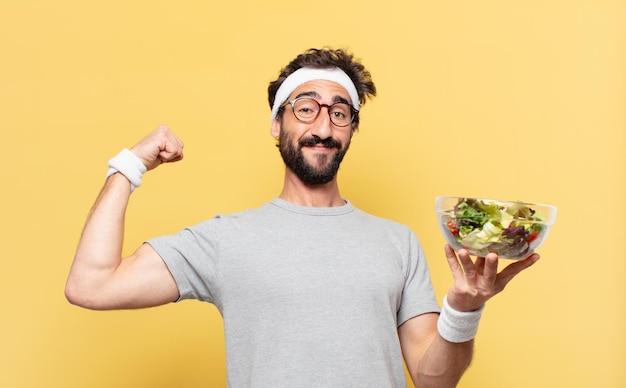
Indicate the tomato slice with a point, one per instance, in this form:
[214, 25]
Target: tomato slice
[453, 228]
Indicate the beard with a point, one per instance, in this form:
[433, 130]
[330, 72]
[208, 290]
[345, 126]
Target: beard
[326, 165]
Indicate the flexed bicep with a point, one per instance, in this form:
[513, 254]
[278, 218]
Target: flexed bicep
[141, 280]
[99, 277]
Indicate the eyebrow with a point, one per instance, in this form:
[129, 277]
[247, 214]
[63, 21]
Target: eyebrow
[307, 94]
[316, 95]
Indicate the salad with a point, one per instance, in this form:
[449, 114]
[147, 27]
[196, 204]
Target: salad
[483, 226]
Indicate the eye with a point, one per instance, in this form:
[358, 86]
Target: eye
[340, 110]
[306, 107]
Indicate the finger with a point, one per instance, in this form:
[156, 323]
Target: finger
[172, 148]
[507, 274]
[174, 139]
[453, 263]
[158, 147]
[479, 264]
[467, 264]
[490, 271]
[171, 154]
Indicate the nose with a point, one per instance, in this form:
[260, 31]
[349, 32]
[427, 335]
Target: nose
[322, 126]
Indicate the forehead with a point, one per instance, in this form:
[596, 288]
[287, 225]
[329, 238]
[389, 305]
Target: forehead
[322, 89]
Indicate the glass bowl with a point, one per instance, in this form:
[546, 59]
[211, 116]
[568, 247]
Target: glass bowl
[511, 229]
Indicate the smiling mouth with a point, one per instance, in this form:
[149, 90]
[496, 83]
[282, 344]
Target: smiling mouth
[319, 147]
[316, 142]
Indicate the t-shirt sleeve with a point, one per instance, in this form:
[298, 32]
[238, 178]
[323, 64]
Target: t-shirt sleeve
[190, 256]
[418, 296]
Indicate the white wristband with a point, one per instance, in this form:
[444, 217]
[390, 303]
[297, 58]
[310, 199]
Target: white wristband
[456, 326]
[129, 165]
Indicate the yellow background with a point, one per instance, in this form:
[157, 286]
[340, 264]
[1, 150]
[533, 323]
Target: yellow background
[504, 99]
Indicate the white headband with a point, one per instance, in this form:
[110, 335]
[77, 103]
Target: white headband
[306, 74]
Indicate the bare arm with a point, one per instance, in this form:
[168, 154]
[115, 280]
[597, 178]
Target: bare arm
[433, 361]
[99, 277]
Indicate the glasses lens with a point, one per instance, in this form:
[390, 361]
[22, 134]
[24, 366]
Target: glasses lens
[340, 114]
[306, 109]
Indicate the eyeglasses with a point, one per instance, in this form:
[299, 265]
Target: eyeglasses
[307, 109]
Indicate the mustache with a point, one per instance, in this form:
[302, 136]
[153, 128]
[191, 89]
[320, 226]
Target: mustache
[315, 140]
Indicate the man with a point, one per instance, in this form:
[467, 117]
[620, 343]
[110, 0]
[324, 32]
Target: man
[313, 291]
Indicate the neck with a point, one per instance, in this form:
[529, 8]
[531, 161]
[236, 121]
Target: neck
[299, 193]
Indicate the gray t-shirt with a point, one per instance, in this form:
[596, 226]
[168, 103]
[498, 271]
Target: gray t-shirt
[310, 297]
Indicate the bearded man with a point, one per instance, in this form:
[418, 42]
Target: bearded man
[313, 291]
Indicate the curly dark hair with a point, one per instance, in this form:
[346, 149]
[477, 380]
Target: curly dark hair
[326, 58]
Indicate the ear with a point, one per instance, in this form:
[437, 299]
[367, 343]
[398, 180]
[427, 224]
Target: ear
[275, 131]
